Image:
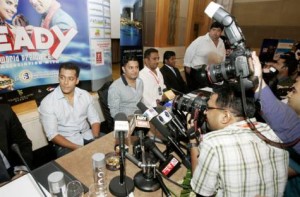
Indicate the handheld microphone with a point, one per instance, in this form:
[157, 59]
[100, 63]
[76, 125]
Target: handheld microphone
[16, 149]
[164, 131]
[139, 122]
[168, 166]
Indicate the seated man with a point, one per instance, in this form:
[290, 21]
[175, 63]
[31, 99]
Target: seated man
[12, 132]
[233, 160]
[68, 114]
[172, 77]
[152, 79]
[125, 92]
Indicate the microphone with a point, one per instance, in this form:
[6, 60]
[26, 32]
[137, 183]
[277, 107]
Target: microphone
[138, 123]
[121, 185]
[170, 121]
[164, 131]
[168, 166]
[121, 125]
[16, 149]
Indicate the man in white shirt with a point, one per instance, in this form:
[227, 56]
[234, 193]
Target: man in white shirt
[152, 79]
[68, 114]
[206, 49]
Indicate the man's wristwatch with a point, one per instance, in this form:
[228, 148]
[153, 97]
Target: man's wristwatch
[192, 145]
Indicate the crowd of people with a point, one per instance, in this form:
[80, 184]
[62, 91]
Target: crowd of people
[240, 156]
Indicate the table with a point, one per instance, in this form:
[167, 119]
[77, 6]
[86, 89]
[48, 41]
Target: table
[79, 164]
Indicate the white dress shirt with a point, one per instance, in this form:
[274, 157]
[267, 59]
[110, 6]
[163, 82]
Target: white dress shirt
[152, 84]
[72, 122]
[204, 51]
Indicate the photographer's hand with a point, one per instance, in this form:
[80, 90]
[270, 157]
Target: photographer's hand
[257, 71]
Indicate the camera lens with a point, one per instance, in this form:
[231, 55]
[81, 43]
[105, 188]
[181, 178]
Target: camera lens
[221, 72]
[189, 104]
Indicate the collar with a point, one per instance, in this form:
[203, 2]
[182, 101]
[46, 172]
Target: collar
[124, 80]
[170, 67]
[243, 123]
[60, 94]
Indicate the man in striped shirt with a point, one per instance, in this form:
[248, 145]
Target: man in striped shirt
[232, 160]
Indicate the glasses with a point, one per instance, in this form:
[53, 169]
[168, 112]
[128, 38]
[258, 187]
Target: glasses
[208, 108]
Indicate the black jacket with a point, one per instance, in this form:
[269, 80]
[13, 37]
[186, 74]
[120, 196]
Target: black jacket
[172, 81]
[11, 131]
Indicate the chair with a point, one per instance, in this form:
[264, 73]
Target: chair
[108, 125]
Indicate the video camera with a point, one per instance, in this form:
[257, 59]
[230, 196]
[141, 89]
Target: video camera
[236, 68]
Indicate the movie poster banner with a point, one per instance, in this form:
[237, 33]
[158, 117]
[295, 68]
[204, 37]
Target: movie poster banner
[39, 36]
[131, 16]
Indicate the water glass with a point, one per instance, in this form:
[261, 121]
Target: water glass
[74, 189]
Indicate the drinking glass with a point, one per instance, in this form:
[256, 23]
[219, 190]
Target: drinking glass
[74, 189]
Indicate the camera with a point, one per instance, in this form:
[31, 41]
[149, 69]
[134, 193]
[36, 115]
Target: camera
[236, 67]
[186, 104]
[195, 106]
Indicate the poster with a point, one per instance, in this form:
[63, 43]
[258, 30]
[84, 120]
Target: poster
[267, 50]
[37, 38]
[131, 16]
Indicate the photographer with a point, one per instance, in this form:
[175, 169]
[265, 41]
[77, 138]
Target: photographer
[233, 160]
[283, 118]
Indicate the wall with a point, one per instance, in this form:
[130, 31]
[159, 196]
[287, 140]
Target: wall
[271, 19]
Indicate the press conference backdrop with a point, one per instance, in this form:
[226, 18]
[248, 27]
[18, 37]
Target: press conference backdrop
[30, 60]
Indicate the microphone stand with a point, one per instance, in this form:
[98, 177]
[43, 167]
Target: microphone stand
[15, 147]
[122, 185]
[146, 180]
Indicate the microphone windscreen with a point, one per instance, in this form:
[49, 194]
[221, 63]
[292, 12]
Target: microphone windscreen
[160, 109]
[15, 148]
[138, 112]
[120, 117]
[142, 106]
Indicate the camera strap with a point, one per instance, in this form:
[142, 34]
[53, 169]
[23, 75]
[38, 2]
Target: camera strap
[268, 141]
[253, 128]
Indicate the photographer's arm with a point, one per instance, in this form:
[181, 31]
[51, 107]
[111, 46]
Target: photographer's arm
[194, 151]
[281, 118]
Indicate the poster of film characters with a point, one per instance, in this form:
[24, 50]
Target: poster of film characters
[37, 36]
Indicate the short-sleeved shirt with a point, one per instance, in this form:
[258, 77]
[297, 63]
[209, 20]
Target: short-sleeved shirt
[234, 161]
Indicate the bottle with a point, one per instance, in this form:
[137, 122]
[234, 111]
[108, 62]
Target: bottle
[99, 170]
[57, 185]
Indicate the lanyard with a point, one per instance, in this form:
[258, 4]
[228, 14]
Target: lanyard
[155, 77]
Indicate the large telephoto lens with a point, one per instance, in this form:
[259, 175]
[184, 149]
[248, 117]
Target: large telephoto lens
[189, 104]
[220, 72]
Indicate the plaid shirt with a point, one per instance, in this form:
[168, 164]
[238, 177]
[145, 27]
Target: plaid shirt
[235, 162]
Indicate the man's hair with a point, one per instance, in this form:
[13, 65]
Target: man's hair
[290, 62]
[148, 52]
[231, 98]
[129, 57]
[217, 25]
[70, 66]
[168, 55]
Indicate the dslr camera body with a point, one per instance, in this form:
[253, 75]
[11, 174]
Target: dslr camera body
[236, 68]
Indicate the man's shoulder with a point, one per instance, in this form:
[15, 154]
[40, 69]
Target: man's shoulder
[163, 68]
[116, 83]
